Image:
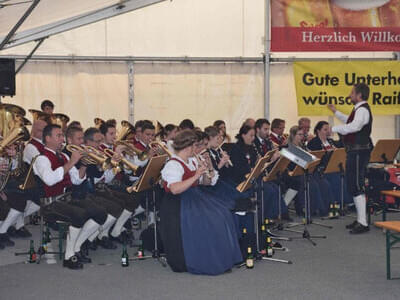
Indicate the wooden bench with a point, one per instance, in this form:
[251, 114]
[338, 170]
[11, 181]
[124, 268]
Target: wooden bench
[392, 238]
[395, 194]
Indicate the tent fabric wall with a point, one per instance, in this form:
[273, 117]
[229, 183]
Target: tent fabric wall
[83, 91]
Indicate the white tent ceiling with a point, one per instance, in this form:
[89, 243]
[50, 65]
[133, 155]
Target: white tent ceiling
[50, 17]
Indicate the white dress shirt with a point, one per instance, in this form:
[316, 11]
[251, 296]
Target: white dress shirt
[173, 171]
[42, 168]
[361, 118]
[30, 151]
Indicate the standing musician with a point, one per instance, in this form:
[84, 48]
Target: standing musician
[356, 135]
[277, 129]
[197, 230]
[58, 172]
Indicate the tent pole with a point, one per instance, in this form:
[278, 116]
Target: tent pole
[29, 56]
[131, 91]
[267, 50]
[19, 23]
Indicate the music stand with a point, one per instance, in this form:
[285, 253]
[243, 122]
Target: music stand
[306, 163]
[276, 174]
[337, 164]
[251, 181]
[148, 181]
[385, 151]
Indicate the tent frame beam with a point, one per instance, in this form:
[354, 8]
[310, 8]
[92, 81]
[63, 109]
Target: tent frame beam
[76, 21]
[30, 55]
[18, 24]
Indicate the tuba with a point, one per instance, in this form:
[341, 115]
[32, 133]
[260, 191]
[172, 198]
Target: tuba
[39, 115]
[60, 119]
[11, 116]
[98, 122]
[15, 135]
[126, 129]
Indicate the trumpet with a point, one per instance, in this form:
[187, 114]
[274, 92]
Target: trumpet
[132, 150]
[219, 149]
[110, 153]
[162, 147]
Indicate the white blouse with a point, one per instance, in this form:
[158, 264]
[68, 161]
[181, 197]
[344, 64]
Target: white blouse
[173, 171]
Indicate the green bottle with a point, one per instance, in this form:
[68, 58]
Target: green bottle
[268, 248]
[32, 253]
[337, 209]
[140, 252]
[331, 213]
[249, 259]
[44, 244]
[263, 238]
[124, 257]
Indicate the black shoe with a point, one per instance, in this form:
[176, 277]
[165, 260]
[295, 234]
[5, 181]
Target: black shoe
[72, 263]
[357, 229]
[106, 243]
[352, 225]
[83, 258]
[92, 245]
[23, 233]
[5, 240]
[12, 232]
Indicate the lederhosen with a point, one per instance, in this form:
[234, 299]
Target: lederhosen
[358, 147]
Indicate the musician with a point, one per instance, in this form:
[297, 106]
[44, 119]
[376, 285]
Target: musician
[220, 124]
[305, 125]
[16, 201]
[322, 141]
[249, 122]
[167, 135]
[262, 142]
[197, 230]
[219, 157]
[358, 144]
[57, 172]
[118, 192]
[47, 107]
[277, 129]
[320, 193]
[186, 124]
[97, 208]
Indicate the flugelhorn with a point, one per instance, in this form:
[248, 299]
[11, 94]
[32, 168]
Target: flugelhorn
[132, 150]
[91, 156]
[110, 153]
[161, 146]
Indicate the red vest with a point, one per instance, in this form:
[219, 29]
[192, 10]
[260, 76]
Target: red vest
[39, 146]
[56, 162]
[275, 140]
[140, 146]
[186, 175]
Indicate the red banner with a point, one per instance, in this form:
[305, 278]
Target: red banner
[335, 25]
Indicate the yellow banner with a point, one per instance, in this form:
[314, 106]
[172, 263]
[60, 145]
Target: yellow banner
[322, 83]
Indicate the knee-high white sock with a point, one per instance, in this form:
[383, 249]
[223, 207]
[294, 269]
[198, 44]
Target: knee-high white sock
[361, 207]
[10, 220]
[105, 228]
[33, 207]
[289, 196]
[20, 222]
[120, 222]
[94, 235]
[138, 210]
[87, 230]
[72, 236]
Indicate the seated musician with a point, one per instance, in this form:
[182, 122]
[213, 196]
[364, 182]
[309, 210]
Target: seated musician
[118, 192]
[305, 125]
[277, 129]
[197, 230]
[167, 135]
[319, 200]
[57, 172]
[186, 124]
[322, 141]
[47, 106]
[16, 201]
[220, 124]
[262, 142]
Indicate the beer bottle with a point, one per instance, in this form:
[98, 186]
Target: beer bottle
[44, 244]
[268, 248]
[249, 259]
[331, 213]
[337, 209]
[32, 253]
[140, 252]
[263, 238]
[125, 256]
